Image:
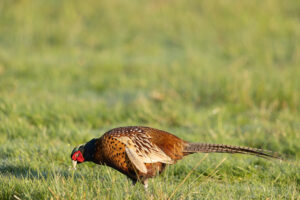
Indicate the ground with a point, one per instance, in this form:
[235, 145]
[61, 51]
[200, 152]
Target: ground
[206, 71]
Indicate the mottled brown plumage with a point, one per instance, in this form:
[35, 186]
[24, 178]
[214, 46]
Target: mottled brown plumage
[142, 152]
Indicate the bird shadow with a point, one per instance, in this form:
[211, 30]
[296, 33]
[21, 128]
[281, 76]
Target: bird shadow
[26, 172]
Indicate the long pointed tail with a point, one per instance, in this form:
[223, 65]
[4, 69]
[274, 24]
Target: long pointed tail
[222, 148]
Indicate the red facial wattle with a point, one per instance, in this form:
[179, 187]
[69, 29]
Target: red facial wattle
[77, 156]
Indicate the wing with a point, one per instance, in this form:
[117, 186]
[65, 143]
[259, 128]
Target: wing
[141, 150]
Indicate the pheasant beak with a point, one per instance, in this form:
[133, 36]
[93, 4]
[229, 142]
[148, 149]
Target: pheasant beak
[74, 162]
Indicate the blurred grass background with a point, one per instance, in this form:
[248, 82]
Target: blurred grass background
[208, 71]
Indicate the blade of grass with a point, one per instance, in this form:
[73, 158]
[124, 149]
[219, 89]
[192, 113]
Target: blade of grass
[187, 176]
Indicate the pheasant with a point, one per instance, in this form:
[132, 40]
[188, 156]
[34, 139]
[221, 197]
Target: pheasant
[141, 153]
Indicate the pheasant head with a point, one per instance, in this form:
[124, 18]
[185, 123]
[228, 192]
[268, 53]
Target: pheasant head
[77, 155]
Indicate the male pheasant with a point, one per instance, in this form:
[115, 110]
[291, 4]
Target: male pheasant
[142, 152]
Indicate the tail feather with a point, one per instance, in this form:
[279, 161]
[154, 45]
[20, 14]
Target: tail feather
[222, 148]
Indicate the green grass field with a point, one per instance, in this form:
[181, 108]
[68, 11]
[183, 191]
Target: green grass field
[207, 71]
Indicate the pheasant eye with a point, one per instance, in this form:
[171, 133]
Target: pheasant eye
[75, 155]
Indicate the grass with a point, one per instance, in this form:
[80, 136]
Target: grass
[219, 72]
